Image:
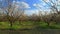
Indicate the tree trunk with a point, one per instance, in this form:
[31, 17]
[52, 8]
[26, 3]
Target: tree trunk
[11, 25]
[48, 24]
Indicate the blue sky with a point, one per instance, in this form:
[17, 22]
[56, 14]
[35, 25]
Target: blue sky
[31, 6]
[27, 3]
[31, 2]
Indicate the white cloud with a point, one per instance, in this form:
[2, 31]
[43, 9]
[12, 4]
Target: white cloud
[37, 12]
[25, 5]
[34, 4]
[44, 4]
[58, 0]
[30, 12]
[22, 4]
[14, 1]
[37, 5]
[47, 0]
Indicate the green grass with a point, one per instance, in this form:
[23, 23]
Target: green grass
[22, 25]
[56, 26]
[16, 25]
[28, 25]
[4, 25]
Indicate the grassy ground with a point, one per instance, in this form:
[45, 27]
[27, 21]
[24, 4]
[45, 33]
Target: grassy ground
[16, 25]
[28, 25]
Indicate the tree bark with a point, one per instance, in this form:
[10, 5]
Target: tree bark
[11, 24]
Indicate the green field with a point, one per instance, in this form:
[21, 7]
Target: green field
[28, 25]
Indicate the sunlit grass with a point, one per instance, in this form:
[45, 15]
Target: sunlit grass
[4, 25]
[28, 25]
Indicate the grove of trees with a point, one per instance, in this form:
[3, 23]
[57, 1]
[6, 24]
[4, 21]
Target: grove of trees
[12, 13]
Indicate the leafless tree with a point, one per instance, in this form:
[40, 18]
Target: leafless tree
[12, 12]
[53, 5]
